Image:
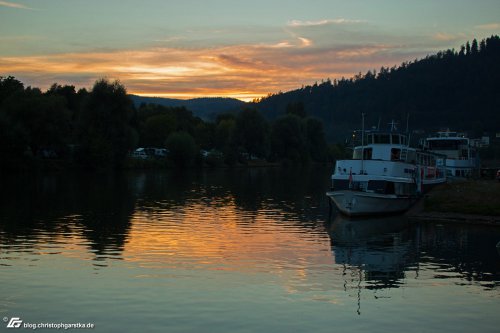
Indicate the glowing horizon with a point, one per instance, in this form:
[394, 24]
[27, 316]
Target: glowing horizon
[229, 49]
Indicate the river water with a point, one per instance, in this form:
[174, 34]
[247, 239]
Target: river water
[244, 250]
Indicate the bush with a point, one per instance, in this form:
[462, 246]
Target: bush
[182, 149]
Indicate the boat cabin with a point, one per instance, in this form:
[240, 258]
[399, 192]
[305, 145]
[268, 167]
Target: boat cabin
[385, 146]
[386, 138]
[462, 159]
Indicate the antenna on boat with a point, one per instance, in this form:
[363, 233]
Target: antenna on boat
[407, 122]
[362, 142]
[393, 126]
[408, 127]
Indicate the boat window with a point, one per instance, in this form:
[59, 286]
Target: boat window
[357, 154]
[444, 144]
[389, 188]
[395, 154]
[381, 138]
[367, 154]
[395, 139]
[403, 140]
[411, 156]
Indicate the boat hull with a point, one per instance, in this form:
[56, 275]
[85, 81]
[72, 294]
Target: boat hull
[358, 203]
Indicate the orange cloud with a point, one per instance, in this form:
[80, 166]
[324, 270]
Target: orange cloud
[244, 71]
[361, 52]
[300, 23]
[14, 5]
[490, 26]
[446, 37]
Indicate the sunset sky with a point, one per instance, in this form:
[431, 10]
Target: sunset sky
[243, 49]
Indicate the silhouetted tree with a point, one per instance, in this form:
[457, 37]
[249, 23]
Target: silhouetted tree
[462, 51]
[105, 132]
[252, 133]
[316, 142]
[14, 138]
[296, 108]
[44, 119]
[8, 86]
[474, 48]
[224, 139]
[182, 149]
[288, 140]
[204, 134]
[156, 129]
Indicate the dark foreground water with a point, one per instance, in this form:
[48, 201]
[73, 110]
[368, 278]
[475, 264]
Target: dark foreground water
[232, 251]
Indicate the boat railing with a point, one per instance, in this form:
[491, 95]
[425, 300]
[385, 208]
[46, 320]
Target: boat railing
[374, 167]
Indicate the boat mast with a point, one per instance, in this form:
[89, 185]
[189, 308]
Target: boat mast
[408, 129]
[362, 143]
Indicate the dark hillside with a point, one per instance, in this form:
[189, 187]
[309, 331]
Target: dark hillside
[455, 89]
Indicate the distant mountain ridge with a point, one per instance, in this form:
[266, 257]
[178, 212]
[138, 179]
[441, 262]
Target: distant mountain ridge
[206, 108]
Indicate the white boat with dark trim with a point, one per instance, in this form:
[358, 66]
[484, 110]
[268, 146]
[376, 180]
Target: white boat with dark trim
[462, 159]
[384, 176]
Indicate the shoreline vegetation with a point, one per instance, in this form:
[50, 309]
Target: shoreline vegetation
[100, 129]
[461, 201]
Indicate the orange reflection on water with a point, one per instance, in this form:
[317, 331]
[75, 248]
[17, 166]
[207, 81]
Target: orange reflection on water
[201, 236]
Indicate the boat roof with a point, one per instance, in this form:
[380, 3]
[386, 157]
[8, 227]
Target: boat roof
[447, 134]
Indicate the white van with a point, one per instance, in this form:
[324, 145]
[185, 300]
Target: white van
[140, 153]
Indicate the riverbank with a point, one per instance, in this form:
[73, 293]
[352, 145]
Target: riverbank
[467, 201]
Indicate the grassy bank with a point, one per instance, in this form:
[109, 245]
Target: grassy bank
[478, 197]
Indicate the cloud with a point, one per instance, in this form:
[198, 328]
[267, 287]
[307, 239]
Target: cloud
[179, 69]
[299, 23]
[279, 45]
[447, 37]
[361, 51]
[489, 26]
[305, 41]
[242, 71]
[14, 5]
[234, 61]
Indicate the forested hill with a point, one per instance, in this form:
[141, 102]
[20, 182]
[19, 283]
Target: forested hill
[206, 108]
[455, 89]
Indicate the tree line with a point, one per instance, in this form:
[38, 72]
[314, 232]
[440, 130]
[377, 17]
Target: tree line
[453, 88]
[100, 127]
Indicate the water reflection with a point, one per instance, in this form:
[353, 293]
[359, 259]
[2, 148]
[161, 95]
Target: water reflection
[454, 250]
[388, 252]
[380, 247]
[232, 246]
[375, 253]
[52, 208]
[388, 249]
[100, 209]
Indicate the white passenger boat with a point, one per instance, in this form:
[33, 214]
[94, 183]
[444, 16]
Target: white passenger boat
[461, 156]
[384, 176]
